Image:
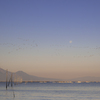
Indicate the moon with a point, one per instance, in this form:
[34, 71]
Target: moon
[70, 41]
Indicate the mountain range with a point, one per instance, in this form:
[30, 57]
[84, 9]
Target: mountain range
[86, 78]
[22, 76]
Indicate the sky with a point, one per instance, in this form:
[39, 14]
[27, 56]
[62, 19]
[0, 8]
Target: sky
[50, 38]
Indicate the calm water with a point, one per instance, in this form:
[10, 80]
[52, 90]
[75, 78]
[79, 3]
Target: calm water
[51, 91]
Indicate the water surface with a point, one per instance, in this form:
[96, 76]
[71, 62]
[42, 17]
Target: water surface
[51, 91]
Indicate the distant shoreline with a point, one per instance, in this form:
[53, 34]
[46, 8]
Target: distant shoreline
[56, 82]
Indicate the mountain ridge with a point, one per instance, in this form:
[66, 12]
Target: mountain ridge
[20, 75]
[86, 78]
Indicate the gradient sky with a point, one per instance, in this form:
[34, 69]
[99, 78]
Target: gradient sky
[50, 38]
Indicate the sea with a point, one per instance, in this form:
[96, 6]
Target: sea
[50, 91]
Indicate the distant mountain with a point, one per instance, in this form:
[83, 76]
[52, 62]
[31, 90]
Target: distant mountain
[26, 77]
[21, 76]
[3, 74]
[87, 78]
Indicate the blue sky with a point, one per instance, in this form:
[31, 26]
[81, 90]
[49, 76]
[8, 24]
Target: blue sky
[35, 37]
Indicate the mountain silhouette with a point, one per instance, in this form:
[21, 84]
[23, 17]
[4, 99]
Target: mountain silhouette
[86, 78]
[20, 75]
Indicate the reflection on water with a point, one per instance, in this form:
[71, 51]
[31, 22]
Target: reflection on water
[51, 91]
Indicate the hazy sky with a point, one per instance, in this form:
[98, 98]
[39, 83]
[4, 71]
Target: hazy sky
[50, 38]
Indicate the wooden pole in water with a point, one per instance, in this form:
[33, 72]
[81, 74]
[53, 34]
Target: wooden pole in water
[11, 80]
[6, 78]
